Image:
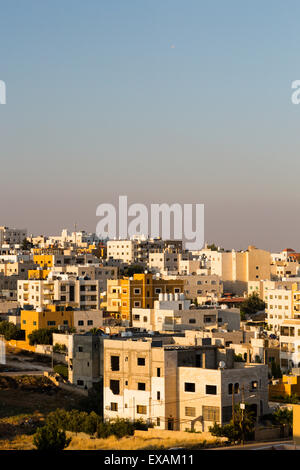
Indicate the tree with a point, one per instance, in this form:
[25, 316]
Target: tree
[42, 336]
[131, 270]
[51, 438]
[26, 245]
[10, 331]
[283, 416]
[239, 429]
[212, 247]
[251, 305]
[275, 370]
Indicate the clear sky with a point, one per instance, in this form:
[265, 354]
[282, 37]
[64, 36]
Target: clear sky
[160, 100]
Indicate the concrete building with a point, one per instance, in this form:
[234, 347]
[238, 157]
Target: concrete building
[139, 291]
[85, 359]
[204, 288]
[237, 268]
[68, 290]
[12, 236]
[173, 313]
[178, 387]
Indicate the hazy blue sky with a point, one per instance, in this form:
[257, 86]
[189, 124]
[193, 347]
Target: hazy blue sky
[160, 100]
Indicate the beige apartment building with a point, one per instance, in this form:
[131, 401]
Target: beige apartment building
[237, 268]
[123, 250]
[178, 387]
[201, 287]
[12, 236]
[279, 307]
[173, 313]
[79, 293]
[290, 344]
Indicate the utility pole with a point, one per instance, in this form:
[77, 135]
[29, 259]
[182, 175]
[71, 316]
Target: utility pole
[233, 414]
[243, 407]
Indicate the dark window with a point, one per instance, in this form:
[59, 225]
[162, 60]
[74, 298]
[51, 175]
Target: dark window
[211, 390]
[158, 372]
[114, 406]
[230, 389]
[189, 387]
[141, 361]
[115, 362]
[141, 386]
[115, 386]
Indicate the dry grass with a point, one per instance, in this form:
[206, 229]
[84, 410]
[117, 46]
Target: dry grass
[81, 441]
[141, 441]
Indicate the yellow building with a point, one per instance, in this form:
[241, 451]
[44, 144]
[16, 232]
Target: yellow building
[296, 424]
[51, 317]
[38, 273]
[139, 291]
[286, 387]
[43, 260]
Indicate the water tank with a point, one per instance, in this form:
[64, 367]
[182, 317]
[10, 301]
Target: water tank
[224, 306]
[161, 297]
[176, 297]
[166, 297]
[171, 297]
[181, 296]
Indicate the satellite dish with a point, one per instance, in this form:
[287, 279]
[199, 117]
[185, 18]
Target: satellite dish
[222, 364]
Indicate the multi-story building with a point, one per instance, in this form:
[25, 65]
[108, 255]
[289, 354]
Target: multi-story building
[139, 291]
[173, 313]
[12, 236]
[279, 307]
[290, 344]
[85, 359]
[201, 287]
[179, 387]
[79, 293]
[60, 317]
[123, 250]
[237, 268]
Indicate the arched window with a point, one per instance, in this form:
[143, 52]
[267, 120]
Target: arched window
[230, 388]
[236, 388]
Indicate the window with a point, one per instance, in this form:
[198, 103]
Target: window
[158, 372]
[157, 421]
[254, 385]
[236, 388]
[80, 382]
[141, 386]
[90, 322]
[158, 395]
[51, 323]
[141, 361]
[192, 320]
[230, 389]
[114, 406]
[141, 409]
[189, 387]
[211, 413]
[137, 291]
[115, 363]
[190, 411]
[211, 390]
[80, 322]
[115, 386]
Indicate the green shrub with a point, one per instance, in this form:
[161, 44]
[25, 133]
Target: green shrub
[50, 438]
[62, 370]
